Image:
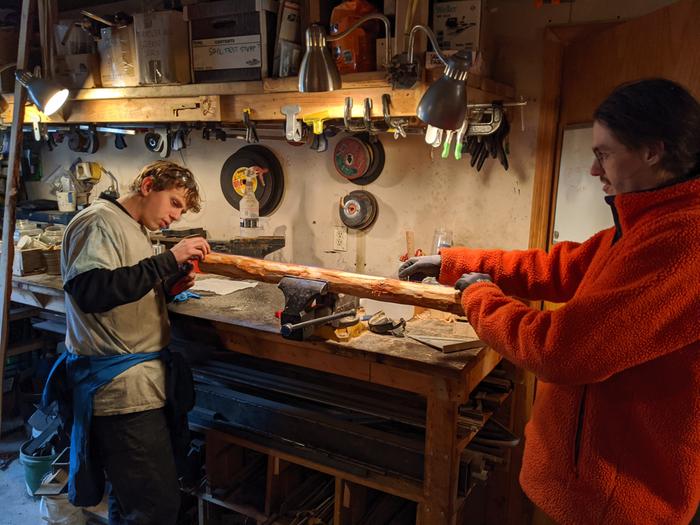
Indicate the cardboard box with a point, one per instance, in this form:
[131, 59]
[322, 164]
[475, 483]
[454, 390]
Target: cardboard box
[162, 48]
[117, 49]
[456, 24]
[288, 43]
[232, 40]
[27, 262]
[81, 71]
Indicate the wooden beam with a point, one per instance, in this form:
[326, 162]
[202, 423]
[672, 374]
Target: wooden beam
[403, 292]
[547, 139]
[15, 156]
[225, 101]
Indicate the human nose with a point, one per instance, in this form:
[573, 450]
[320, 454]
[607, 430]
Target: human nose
[596, 168]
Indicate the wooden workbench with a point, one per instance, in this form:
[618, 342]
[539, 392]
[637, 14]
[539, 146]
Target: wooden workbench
[245, 323]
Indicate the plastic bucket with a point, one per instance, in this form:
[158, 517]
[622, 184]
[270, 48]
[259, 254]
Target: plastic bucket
[35, 468]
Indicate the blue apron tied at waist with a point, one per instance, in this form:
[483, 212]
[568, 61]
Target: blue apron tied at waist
[73, 381]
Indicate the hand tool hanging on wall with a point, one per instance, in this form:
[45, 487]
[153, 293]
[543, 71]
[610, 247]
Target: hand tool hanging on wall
[316, 121]
[448, 143]
[83, 141]
[119, 141]
[489, 137]
[358, 210]
[251, 132]
[94, 140]
[433, 136]
[351, 125]
[180, 138]
[395, 125]
[460, 137]
[359, 159]
[268, 190]
[293, 130]
[158, 141]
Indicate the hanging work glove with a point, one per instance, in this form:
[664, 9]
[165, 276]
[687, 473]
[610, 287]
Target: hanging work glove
[468, 279]
[418, 268]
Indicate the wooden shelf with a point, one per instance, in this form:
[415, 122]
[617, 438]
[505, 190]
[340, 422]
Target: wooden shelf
[23, 348]
[246, 510]
[395, 485]
[224, 102]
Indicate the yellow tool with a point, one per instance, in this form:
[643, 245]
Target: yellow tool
[316, 120]
[344, 333]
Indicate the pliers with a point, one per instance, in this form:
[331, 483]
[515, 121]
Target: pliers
[460, 137]
[251, 132]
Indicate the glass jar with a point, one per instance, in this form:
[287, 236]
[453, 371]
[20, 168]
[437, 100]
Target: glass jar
[24, 227]
[53, 235]
[441, 239]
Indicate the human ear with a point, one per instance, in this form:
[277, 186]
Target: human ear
[146, 185]
[654, 152]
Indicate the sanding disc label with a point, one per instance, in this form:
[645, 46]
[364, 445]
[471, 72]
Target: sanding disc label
[238, 181]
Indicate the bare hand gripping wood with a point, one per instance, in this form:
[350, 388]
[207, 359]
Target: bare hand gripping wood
[392, 290]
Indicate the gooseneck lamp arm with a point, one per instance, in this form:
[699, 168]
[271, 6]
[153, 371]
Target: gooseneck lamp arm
[433, 40]
[371, 16]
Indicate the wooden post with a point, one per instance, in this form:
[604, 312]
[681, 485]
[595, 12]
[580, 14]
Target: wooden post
[404, 292]
[8, 222]
[441, 457]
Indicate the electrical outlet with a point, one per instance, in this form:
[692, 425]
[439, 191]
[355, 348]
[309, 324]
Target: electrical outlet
[340, 239]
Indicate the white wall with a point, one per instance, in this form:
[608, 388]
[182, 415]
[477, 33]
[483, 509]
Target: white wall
[415, 192]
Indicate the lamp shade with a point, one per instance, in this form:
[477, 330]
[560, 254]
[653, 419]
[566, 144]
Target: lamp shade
[318, 71]
[444, 104]
[48, 95]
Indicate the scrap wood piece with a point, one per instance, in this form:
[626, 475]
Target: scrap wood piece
[393, 290]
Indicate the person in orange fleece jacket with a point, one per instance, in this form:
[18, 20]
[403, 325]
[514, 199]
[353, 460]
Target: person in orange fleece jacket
[615, 431]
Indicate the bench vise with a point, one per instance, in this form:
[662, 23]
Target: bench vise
[308, 303]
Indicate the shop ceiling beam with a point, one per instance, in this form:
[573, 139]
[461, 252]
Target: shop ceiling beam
[224, 102]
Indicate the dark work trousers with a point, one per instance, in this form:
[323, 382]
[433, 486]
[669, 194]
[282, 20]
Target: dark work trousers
[137, 457]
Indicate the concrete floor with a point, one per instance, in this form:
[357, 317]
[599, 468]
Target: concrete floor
[18, 507]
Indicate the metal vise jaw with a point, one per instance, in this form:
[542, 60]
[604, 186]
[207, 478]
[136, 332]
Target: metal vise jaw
[305, 300]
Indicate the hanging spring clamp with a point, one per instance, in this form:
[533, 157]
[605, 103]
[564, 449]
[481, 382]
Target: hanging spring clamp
[460, 137]
[316, 120]
[395, 125]
[350, 126]
[367, 118]
[251, 133]
[293, 131]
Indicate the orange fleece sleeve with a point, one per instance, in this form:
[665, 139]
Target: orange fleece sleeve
[529, 274]
[642, 305]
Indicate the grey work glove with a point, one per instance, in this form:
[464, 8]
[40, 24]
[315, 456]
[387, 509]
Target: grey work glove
[468, 279]
[418, 268]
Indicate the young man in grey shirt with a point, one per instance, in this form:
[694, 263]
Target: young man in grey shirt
[116, 295]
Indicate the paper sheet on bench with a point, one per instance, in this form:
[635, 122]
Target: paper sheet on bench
[221, 286]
